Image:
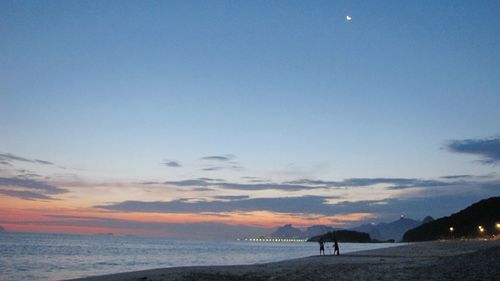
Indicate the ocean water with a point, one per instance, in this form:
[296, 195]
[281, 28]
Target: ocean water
[30, 256]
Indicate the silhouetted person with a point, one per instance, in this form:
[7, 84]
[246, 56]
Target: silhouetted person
[336, 247]
[321, 246]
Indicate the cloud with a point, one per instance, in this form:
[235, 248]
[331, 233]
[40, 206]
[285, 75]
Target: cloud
[212, 168]
[234, 166]
[25, 194]
[408, 182]
[457, 177]
[469, 177]
[32, 184]
[172, 164]
[267, 186]
[361, 182]
[203, 182]
[304, 204]
[27, 174]
[192, 182]
[43, 162]
[310, 184]
[488, 149]
[202, 189]
[231, 197]
[253, 179]
[28, 189]
[221, 158]
[7, 157]
[221, 162]
[422, 184]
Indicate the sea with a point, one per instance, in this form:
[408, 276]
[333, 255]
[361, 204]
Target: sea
[42, 256]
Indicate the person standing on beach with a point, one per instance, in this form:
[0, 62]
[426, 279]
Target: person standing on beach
[336, 247]
[321, 246]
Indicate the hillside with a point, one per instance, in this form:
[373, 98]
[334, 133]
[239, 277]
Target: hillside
[485, 213]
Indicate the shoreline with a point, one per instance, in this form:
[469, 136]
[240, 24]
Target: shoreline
[435, 260]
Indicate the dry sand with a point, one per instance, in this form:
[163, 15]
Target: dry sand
[437, 260]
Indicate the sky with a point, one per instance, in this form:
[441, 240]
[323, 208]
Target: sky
[221, 119]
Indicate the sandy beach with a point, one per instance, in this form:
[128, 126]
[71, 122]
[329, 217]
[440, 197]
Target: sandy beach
[437, 260]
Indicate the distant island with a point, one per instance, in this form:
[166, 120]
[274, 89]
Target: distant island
[481, 219]
[348, 236]
[289, 232]
[2, 229]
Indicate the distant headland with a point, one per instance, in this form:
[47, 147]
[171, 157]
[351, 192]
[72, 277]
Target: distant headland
[479, 220]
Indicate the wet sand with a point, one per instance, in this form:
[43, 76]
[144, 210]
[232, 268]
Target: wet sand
[436, 260]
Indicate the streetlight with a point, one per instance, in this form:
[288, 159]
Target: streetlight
[481, 229]
[451, 232]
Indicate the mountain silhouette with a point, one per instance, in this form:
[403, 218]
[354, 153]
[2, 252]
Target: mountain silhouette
[287, 231]
[386, 231]
[381, 231]
[316, 230]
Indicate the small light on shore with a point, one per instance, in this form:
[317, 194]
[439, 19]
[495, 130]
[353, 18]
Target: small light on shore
[481, 229]
[451, 229]
[498, 225]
